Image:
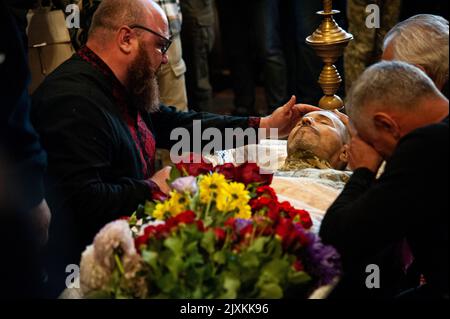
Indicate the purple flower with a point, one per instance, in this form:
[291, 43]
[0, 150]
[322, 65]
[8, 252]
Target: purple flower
[185, 184]
[322, 261]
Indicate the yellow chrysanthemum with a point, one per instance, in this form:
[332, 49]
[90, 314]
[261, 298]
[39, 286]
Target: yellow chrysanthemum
[245, 212]
[232, 196]
[178, 203]
[162, 210]
[210, 185]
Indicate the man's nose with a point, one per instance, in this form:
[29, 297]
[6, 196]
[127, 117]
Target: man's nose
[306, 120]
[165, 58]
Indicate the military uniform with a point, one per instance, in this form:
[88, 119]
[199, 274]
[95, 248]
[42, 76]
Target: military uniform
[171, 78]
[367, 46]
[198, 40]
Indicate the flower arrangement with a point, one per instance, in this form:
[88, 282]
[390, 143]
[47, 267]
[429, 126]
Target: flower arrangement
[220, 233]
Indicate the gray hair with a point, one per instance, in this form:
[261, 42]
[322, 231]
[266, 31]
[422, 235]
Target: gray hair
[389, 85]
[422, 40]
[112, 14]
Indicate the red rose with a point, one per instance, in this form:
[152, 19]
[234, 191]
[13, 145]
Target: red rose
[266, 191]
[161, 231]
[301, 216]
[220, 234]
[306, 221]
[191, 167]
[264, 202]
[230, 222]
[247, 230]
[284, 228]
[141, 240]
[186, 217]
[263, 225]
[304, 241]
[291, 238]
[249, 173]
[285, 207]
[228, 170]
[298, 265]
[200, 225]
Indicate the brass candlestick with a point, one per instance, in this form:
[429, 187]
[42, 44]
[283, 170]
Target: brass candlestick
[329, 42]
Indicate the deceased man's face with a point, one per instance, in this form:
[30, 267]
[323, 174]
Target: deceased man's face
[321, 133]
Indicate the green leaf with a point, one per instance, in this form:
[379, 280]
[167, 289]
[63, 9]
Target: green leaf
[219, 257]
[175, 265]
[275, 271]
[133, 220]
[151, 258]
[98, 294]
[174, 174]
[258, 244]
[208, 242]
[298, 277]
[166, 283]
[194, 259]
[149, 208]
[175, 244]
[270, 291]
[249, 260]
[231, 284]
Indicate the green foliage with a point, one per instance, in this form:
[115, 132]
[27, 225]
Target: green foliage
[190, 264]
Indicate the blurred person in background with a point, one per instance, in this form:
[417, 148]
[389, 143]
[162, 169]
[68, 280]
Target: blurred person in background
[24, 214]
[198, 39]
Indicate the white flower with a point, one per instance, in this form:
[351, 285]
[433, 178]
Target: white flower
[92, 275]
[98, 261]
[115, 236]
[186, 184]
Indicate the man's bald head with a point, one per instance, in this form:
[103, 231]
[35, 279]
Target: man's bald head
[112, 14]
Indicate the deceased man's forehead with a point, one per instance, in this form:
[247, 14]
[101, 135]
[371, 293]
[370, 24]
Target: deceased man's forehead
[324, 115]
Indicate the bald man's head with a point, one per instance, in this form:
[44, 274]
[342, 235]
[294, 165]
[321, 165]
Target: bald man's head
[112, 14]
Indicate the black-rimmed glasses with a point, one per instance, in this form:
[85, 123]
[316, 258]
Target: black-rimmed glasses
[167, 41]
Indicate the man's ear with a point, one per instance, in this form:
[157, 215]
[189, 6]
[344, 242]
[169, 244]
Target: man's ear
[126, 39]
[387, 124]
[343, 156]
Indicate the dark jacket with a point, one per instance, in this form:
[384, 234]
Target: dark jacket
[410, 200]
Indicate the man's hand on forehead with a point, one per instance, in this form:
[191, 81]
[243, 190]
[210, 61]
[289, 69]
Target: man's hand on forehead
[303, 109]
